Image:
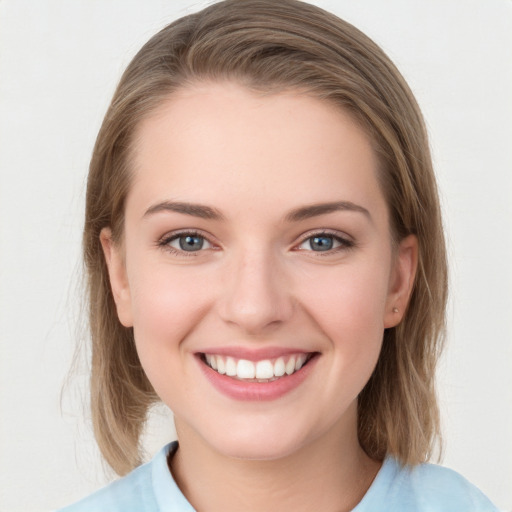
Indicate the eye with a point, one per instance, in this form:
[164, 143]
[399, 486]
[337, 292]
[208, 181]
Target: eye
[186, 242]
[324, 242]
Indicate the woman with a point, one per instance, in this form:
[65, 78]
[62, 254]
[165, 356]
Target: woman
[265, 255]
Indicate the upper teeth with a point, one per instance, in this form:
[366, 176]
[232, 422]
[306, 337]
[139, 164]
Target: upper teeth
[264, 369]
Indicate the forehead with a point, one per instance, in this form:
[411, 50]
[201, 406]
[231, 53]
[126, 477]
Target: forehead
[214, 141]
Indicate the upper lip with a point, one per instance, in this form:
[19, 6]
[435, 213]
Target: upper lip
[254, 354]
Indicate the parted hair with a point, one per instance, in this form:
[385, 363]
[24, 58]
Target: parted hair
[270, 47]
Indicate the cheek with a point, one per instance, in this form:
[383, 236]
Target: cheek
[348, 298]
[349, 305]
[167, 304]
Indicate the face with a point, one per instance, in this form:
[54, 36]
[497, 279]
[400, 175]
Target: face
[257, 268]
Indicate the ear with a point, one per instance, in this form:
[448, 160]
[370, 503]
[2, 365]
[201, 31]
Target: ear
[401, 281]
[114, 257]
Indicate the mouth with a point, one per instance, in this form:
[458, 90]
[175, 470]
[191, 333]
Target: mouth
[260, 371]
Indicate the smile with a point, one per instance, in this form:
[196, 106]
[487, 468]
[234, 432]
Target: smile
[256, 375]
[265, 370]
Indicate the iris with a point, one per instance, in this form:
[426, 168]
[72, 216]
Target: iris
[191, 242]
[321, 243]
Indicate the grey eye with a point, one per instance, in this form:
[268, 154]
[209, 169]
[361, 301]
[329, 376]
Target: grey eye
[320, 243]
[190, 243]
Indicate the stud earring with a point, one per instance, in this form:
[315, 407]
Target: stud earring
[395, 310]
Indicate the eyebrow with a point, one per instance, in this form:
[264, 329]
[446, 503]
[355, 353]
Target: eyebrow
[314, 210]
[296, 215]
[195, 210]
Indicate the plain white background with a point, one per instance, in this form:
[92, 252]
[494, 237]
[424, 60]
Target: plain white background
[59, 63]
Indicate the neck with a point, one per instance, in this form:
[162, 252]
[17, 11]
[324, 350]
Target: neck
[330, 474]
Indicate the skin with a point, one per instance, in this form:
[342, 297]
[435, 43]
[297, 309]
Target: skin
[258, 283]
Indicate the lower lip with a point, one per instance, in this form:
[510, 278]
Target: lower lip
[257, 391]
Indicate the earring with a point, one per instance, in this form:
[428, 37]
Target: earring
[395, 310]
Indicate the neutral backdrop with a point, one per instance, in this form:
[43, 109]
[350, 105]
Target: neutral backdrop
[59, 63]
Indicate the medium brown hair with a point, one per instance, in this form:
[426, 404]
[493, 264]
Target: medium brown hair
[271, 46]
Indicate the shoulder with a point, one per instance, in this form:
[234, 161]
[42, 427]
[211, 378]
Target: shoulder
[426, 487]
[127, 494]
[142, 490]
[130, 493]
[440, 486]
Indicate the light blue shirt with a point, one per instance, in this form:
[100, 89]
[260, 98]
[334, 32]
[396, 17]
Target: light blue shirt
[425, 488]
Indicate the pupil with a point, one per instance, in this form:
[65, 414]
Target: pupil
[191, 243]
[321, 243]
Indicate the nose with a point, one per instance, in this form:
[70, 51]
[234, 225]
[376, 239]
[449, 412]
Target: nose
[257, 294]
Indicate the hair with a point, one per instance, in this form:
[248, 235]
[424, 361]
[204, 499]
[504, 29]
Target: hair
[273, 47]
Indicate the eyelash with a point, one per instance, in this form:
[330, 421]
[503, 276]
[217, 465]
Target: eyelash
[167, 239]
[344, 243]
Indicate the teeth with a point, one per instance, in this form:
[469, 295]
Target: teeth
[299, 363]
[245, 369]
[279, 367]
[230, 367]
[263, 370]
[221, 365]
[290, 366]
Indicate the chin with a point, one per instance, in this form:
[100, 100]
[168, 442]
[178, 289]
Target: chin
[263, 443]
